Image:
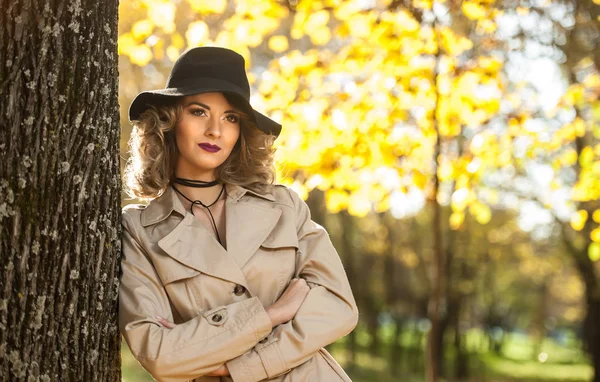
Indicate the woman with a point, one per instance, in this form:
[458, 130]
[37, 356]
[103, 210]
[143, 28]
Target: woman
[225, 277]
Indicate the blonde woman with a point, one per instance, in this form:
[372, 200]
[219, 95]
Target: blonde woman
[225, 277]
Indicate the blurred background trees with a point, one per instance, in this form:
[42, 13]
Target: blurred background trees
[452, 150]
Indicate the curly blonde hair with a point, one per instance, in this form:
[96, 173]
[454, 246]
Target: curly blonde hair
[150, 167]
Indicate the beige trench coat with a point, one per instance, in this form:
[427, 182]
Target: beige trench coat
[173, 267]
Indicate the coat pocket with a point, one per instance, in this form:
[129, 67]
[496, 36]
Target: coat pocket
[170, 271]
[178, 281]
[279, 250]
[281, 239]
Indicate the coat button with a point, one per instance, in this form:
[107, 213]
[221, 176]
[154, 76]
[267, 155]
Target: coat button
[217, 318]
[239, 290]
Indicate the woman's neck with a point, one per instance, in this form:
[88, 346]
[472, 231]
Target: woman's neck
[206, 195]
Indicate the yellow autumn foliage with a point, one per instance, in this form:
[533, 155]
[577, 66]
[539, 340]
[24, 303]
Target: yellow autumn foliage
[362, 88]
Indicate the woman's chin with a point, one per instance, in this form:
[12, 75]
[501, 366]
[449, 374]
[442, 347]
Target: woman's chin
[207, 165]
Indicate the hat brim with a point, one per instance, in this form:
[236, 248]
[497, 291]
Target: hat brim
[161, 96]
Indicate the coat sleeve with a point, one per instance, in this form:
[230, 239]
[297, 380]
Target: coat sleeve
[328, 312]
[190, 349]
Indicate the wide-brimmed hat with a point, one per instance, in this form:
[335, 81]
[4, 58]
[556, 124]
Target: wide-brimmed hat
[200, 70]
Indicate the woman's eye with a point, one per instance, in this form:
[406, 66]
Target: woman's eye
[198, 112]
[233, 118]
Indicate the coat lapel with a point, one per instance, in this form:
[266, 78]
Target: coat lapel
[248, 223]
[191, 244]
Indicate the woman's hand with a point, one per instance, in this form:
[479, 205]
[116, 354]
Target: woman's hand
[287, 305]
[165, 322]
[283, 310]
[222, 371]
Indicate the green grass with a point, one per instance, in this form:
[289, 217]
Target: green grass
[131, 370]
[517, 361]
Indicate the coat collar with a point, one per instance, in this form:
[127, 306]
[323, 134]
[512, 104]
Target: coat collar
[249, 223]
[162, 206]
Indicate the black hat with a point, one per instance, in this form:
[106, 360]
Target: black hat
[200, 70]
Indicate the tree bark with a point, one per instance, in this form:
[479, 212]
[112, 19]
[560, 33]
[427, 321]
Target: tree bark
[59, 191]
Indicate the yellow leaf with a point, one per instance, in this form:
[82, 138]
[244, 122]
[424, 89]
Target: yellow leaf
[578, 220]
[336, 200]
[456, 220]
[586, 158]
[317, 19]
[594, 251]
[361, 26]
[360, 205]
[177, 41]
[445, 171]
[162, 14]
[173, 53]
[278, 43]
[419, 179]
[596, 216]
[595, 235]
[320, 36]
[574, 94]
[142, 29]
[569, 158]
[140, 55]
[481, 212]
[126, 43]
[579, 125]
[422, 4]
[158, 50]
[197, 33]
[382, 205]
[342, 30]
[212, 6]
[405, 22]
[486, 26]
[460, 199]
[474, 11]
[454, 44]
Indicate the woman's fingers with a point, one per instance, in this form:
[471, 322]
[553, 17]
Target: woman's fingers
[222, 371]
[165, 322]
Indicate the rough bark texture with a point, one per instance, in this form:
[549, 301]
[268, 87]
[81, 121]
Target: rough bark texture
[59, 191]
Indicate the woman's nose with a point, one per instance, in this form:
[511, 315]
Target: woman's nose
[213, 128]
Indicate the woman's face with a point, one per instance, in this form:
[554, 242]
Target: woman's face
[208, 120]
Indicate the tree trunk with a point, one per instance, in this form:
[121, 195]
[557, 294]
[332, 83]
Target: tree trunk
[370, 308]
[591, 329]
[436, 300]
[461, 367]
[59, 191]
[396, 353]
[350, 265]
[538, 329]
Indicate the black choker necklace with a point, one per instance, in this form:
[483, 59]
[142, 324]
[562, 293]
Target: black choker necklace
[201, 183]
[195, 183]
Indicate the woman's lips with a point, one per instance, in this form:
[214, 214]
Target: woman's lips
[209, 148]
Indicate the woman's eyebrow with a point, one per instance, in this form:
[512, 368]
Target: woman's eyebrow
[208, 107]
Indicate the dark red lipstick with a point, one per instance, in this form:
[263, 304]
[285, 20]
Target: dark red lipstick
[208, 147]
